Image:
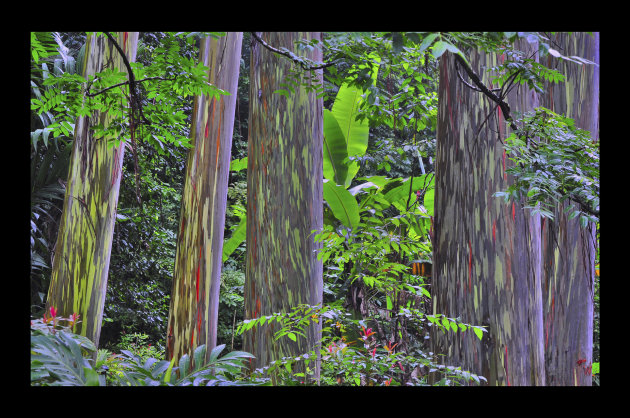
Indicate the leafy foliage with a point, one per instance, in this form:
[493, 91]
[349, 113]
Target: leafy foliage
[554, 162]
[192, 371]
[57, 355]
[58, 358]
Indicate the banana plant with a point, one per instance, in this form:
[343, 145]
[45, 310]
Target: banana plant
[344, 135]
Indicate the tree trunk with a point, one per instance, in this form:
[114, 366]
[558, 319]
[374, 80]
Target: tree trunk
[487, 254]
[568, 249]
[83, 248]
[284, 199]
[197, 276]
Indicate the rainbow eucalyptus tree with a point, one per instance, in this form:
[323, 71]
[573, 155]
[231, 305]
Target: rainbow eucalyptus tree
[568, 248]
[197, 275]
[487, 255]
[284, 197]
[81, 256]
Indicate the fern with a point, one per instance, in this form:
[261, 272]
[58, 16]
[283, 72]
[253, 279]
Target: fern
[57, 360]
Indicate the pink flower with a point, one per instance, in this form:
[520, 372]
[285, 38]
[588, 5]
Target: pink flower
[73, 319]
[53, 311]
[373, 353]
[366, 333]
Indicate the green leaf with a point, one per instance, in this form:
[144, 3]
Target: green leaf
[400, 194]
[343, 205]
[282, 92]
[428, 40]
[292, 336]
[429, 201]
[237, 238]
[167, 376]
[91, 377]
[397, 42]
[335, 150]
[238, 164]
[478, 332]
[345, 110]
[438, 49]
[214, 354]
[199, 356]
[390, 306]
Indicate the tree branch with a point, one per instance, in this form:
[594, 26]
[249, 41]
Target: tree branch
[127, 82]
[291, 56]
[505, 108]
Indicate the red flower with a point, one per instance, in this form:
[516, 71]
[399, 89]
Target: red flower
[53, 311]
[390, 347]
[366, 333]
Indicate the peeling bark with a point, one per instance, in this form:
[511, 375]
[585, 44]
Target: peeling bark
[568, 249]
[197, 276]
[284, 200]
[83, 248]
[487, 255]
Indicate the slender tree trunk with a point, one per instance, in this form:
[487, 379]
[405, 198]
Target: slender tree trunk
[284, 200]
[197, 276]
[568, 249]
[82, 252]
[487, 255]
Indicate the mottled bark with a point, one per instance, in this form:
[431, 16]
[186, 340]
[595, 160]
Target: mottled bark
[486, 267]
[568, 249]
[83, 248]
[284, 199]
[197, 275]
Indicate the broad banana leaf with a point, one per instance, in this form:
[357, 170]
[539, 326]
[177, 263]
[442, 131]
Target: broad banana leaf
[335, 150]
[342, 203]
[429, 198]
[237, 238]
[356, 133]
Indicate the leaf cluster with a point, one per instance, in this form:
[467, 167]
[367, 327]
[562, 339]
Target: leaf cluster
[192, 370]
[554, 162]
[60, 359]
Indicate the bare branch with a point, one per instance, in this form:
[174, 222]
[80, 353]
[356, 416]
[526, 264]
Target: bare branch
[291, 56]
[505, 108]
